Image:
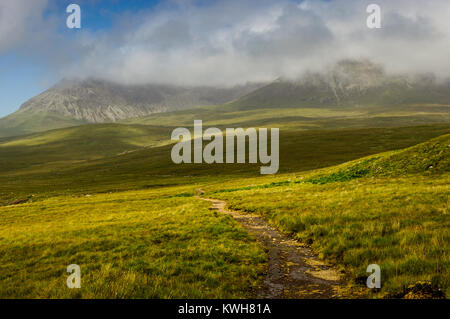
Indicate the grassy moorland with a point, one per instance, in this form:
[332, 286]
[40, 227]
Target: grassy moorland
[20, 123]
[302, 117]
[391, 209]
[114, 157]
[108, 197]
[140, 244]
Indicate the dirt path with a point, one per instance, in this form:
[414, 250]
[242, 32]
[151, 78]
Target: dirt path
[293, 270]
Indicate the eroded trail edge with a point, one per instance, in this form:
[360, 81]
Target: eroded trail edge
[293, 269]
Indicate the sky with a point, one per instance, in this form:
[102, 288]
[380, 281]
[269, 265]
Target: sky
[216, 42]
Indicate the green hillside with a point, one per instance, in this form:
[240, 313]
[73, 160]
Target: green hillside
[77, 144]
[30, 122]
[73, 102]
[157, 240]
[360, 185]
[430, 158]
[302, 117]
[351, 89]
[286, 94]
[390, 209]
[140, 244]
[99, 158]
[349, 83]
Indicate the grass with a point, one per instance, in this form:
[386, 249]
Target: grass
[277, 107]
[429, 158]
[31, 122]
[302, 117]
[57, 148]
[108, 197]
[141, 244]
[68, 162]
[393, 210]
[401, 224]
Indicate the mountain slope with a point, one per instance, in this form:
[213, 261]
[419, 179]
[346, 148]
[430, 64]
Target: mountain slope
[33, 121]
[69, 146]
[107, 157]
[349, 86]
[73, 102]
[349, 83]
[396, 218]
[429, 158]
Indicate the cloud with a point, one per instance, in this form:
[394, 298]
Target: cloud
[226, 42]
[18, 22]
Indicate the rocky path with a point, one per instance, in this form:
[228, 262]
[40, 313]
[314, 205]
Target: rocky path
[293, 270]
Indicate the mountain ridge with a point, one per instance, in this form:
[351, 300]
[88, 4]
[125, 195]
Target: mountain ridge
[100, 101]
[76, 102]
[350, 83]
[347, 84]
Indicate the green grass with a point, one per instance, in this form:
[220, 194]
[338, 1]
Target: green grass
[76, 160]
[31, 122]
[108, 197]
[288, 94]
[302, 117]
[141, 244]
[431, 158]
[391, 210]
[69, 146]
[401, 224]
[281, 104]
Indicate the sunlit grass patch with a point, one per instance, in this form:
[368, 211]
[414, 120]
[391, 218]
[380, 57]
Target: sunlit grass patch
[402, 224]
[128, 245]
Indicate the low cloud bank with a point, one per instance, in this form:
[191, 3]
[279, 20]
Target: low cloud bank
[234, 41]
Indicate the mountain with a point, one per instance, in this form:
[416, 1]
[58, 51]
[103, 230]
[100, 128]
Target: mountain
[350, 83]
[74, 102]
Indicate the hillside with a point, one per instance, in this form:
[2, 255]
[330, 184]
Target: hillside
[302, 117]
[73, 102]
[429, 158]
[112, 157]
[389, 209]
[108, 192]
[350, 83]
[400, 224]
[134, 153]
[82, 207]
[34, 121]
[62, 147]
[346, 89]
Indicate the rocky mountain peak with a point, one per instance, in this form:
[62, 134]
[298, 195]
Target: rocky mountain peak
[99, 101]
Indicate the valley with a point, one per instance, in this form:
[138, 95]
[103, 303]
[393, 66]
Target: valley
[108, 197]
[363, 180]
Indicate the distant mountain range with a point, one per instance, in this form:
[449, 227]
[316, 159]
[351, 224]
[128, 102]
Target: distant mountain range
[74, 102]
[348, 83]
